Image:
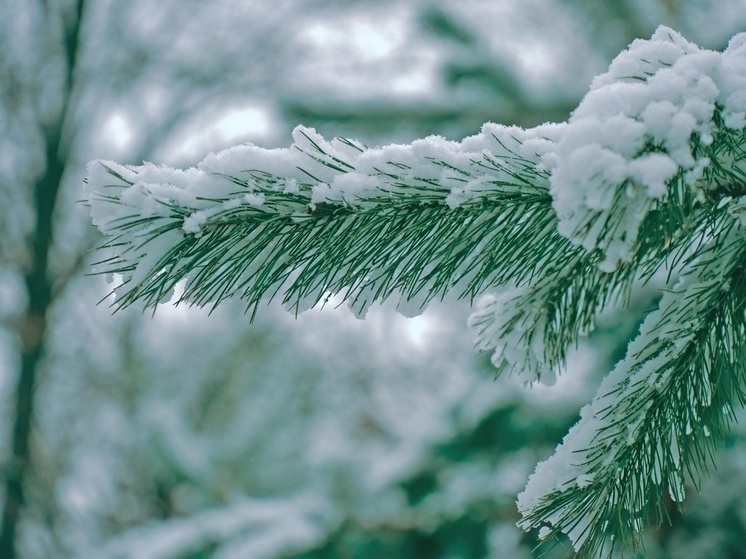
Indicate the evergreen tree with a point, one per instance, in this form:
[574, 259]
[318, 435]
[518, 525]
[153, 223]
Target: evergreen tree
[546, 226]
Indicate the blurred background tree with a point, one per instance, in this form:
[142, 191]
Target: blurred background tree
[182, 437]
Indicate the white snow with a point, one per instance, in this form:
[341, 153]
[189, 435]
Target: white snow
[653, 171]
[658, 92]
[336, 174]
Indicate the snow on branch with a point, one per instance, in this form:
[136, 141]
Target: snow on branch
[324, 217]
[552, 223]
[645, 126]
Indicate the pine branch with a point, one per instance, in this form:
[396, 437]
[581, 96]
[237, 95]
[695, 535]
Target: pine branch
[410, 235]
[658, 417]
[554, 223]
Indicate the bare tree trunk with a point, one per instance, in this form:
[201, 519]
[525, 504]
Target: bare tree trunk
[40, 297]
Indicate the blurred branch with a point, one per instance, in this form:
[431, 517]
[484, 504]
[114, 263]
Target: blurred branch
[379, 119]
[40, 296]
[290, 524]
[444, 26]
[511, 103]
[610, 24]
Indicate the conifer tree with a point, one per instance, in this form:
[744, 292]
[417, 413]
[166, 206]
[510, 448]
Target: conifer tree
[542, 228]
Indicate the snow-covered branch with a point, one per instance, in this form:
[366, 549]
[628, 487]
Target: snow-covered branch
[329, 217]
[658, 416]
[558, 221]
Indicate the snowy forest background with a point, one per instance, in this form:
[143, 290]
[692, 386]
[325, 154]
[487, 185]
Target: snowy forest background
[182, 436]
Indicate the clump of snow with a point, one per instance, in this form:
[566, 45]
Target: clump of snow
[584, 480]
[194, 222]
[464, 193]
[653, 171]
[630, 136]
